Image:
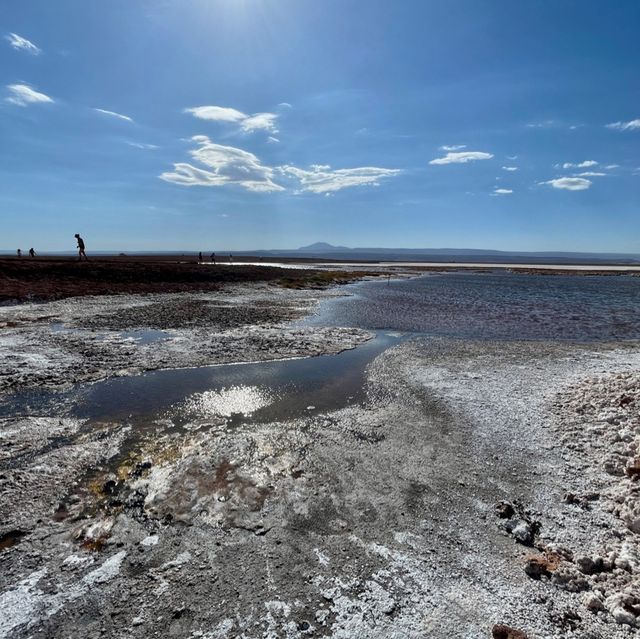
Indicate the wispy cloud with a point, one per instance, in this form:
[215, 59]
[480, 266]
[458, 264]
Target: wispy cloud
[453, 147]
[22, 44]
[545, 124]
[272, 140]
[225, 165]
[248, 123]
[591, 174]
[581, 165]
[216, 113]
[260, 121]
[24, 95]
[509, 168]
[632, 125]
[322, 179]
[462, 157]
[502, 192]
[113, 114]
[142, 145]
[569, 183]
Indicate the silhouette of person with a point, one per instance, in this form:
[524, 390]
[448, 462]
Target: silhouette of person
[230, 258]
[81, 252]
[32, 253]
[213, 257]
[19, 253]
[200, 256]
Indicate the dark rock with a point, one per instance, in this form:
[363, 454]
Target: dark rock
[501, 631]
[632, 468]
[505, 510]
[523, 531]
[537, 566]
[110, 487]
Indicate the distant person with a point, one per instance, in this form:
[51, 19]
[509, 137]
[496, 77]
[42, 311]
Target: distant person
[19, 253]
[200, 256]
[32, 253]
[81, 252]
[213, 257]
[230, 258]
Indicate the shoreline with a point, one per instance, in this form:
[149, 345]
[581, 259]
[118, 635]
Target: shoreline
[381, 520]
[47, 279]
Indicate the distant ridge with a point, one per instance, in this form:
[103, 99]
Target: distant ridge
[321, 247]
[324, 250]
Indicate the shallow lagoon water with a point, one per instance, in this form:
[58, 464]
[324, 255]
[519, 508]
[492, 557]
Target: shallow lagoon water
[464, 305]
[261, 391]
[494, 305]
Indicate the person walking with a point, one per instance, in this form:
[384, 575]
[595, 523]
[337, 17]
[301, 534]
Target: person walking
[200, 256]
[19, 253]
[213, 257]
[81, 252]
[32, 253]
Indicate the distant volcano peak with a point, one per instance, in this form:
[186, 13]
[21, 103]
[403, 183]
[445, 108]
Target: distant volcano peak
[322, 246]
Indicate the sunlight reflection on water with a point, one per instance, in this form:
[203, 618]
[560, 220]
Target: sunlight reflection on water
[234, 400]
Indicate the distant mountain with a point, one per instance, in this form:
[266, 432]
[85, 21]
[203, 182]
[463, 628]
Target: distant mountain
[322, 247]
[324, 250]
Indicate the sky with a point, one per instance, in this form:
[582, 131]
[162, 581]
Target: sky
[264, 124]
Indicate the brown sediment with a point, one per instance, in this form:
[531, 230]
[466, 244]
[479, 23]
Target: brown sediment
[58, 278]
[11, 538]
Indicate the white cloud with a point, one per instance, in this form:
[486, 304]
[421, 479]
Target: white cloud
[502, 192]
[512, 157]
[285, 105]
[248, 123]
[322, 179]
[632, 125]
[22, 44]
[462, 157]
[216, 113]
[510, 168]
[272, 140]
[453, 147]
[590, 174]
[569, 183]
[582, 165]
[612, 166]
[113, 114]
[260, 121]
[225, 165]
[142, 145]
[23, 95]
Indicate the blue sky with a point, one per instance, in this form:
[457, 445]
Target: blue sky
[239, 124]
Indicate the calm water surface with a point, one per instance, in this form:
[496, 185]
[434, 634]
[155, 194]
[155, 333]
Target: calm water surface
[494, 306]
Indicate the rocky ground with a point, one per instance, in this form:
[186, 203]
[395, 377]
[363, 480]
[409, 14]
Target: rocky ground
[483, 489]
